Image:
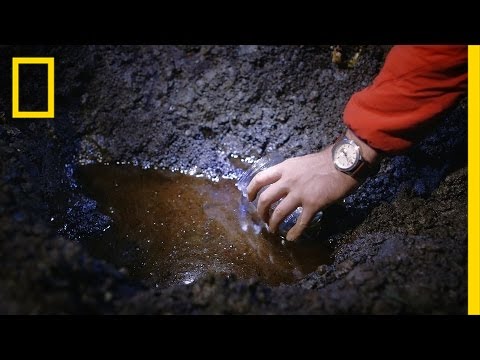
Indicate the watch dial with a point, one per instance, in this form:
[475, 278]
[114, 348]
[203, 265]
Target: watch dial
[345, 156]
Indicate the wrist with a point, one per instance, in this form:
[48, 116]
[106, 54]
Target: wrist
[354, 157]
[369, 154]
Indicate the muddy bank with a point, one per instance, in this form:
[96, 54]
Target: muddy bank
[400, 240]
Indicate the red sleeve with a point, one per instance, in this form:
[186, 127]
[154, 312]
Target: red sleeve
[415, 84]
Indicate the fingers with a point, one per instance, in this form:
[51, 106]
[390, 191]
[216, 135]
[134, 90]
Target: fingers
[262, 179]
[302, 222]
[267, 198]
[285, 208]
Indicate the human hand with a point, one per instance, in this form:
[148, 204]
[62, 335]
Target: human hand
[309, 181]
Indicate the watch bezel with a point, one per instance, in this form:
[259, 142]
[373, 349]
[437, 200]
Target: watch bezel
[358, 158]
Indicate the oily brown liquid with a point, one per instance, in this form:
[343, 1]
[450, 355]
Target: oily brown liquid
[170, 228]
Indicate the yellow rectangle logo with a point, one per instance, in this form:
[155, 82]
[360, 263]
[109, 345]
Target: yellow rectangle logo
[49, 61]
[473, 180]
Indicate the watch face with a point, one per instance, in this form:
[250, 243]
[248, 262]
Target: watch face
[346, 156]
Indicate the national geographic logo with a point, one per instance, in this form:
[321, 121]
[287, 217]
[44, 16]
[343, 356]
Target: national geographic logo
[33, 96]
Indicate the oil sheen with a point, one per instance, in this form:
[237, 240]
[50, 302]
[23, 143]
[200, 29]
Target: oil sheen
[169, 228]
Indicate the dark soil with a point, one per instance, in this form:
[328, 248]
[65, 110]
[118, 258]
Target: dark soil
[401, 239]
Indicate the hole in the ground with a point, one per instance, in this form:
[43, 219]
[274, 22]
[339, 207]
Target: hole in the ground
[170, 228]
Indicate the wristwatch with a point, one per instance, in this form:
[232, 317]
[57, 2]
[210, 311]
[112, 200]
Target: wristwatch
[347, 158]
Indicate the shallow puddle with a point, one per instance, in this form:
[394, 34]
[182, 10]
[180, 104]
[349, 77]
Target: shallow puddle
[170, 228]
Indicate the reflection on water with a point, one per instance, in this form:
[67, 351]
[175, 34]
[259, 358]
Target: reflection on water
[170, 228]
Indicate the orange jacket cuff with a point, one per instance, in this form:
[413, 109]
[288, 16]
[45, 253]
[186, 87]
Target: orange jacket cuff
[415, 84]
